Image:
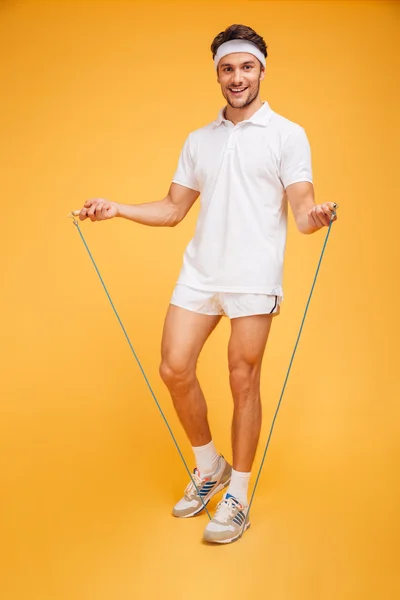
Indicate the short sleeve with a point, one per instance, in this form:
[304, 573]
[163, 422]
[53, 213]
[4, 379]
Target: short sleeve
[296, 158]
[185, 175]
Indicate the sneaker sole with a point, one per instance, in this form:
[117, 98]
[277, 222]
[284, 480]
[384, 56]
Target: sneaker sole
[230, 540]
[218, 489]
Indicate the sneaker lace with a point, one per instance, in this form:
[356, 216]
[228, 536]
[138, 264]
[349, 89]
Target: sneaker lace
[191, 490]
[226, 510]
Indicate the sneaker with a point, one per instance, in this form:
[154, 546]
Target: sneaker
[229, 523]
[194, 500]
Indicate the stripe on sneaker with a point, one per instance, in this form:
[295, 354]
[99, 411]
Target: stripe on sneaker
[239, 518]
[206, 489]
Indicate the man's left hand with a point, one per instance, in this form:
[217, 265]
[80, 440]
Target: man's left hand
[320, 215]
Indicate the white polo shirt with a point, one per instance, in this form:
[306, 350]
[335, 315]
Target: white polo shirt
[241, 172]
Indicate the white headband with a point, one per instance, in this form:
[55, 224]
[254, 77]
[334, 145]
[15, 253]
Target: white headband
[238, 46]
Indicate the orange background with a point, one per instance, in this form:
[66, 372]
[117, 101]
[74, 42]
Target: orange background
[97, 99]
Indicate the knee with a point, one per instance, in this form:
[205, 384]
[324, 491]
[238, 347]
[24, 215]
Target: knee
[176, 373]
[244, 377]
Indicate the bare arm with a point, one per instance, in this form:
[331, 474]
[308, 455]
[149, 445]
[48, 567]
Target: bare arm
[309, 217]
[167, 212]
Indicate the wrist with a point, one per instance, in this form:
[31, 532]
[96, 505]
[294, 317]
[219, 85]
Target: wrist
[305, 224]
[118, 209]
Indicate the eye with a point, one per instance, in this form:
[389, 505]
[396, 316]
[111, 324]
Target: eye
[248, 67]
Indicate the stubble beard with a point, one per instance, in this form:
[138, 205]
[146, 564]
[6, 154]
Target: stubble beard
[250, 99]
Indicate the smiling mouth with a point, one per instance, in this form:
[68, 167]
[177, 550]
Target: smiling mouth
[237, 91]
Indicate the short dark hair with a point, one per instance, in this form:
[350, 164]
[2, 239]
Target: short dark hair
[239, 32]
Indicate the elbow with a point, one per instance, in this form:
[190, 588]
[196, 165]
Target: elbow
[174, 220]
[176, 216]
[172, 216]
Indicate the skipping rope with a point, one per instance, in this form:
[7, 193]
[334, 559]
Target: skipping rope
[75, 221]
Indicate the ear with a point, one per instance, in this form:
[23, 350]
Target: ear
[262, 74]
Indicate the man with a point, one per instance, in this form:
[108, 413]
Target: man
[247, 165]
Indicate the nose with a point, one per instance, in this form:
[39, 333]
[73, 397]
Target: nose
[237, 77]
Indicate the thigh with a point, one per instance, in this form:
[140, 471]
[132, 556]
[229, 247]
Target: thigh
[249, 336]
[184, 335]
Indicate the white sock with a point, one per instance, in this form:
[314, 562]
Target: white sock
[206, 458]
[238, 486]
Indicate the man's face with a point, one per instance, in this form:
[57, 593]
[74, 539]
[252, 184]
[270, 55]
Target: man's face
[239, 75]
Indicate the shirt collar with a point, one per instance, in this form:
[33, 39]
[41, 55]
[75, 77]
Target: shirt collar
[261, 117]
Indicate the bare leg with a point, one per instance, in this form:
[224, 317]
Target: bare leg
[185, 333]
[249, 336]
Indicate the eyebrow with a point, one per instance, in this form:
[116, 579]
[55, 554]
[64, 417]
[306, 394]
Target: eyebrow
[247, 62]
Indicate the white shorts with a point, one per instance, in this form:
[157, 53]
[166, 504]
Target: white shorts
[227, 304]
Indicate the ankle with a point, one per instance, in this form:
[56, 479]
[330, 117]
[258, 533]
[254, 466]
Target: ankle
[238, 487]
[207, 458]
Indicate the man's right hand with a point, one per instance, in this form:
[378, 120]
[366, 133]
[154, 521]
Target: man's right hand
[98, 210]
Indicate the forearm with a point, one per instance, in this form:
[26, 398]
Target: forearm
[155, 214]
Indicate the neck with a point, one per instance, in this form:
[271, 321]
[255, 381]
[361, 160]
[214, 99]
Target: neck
[236, 115]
